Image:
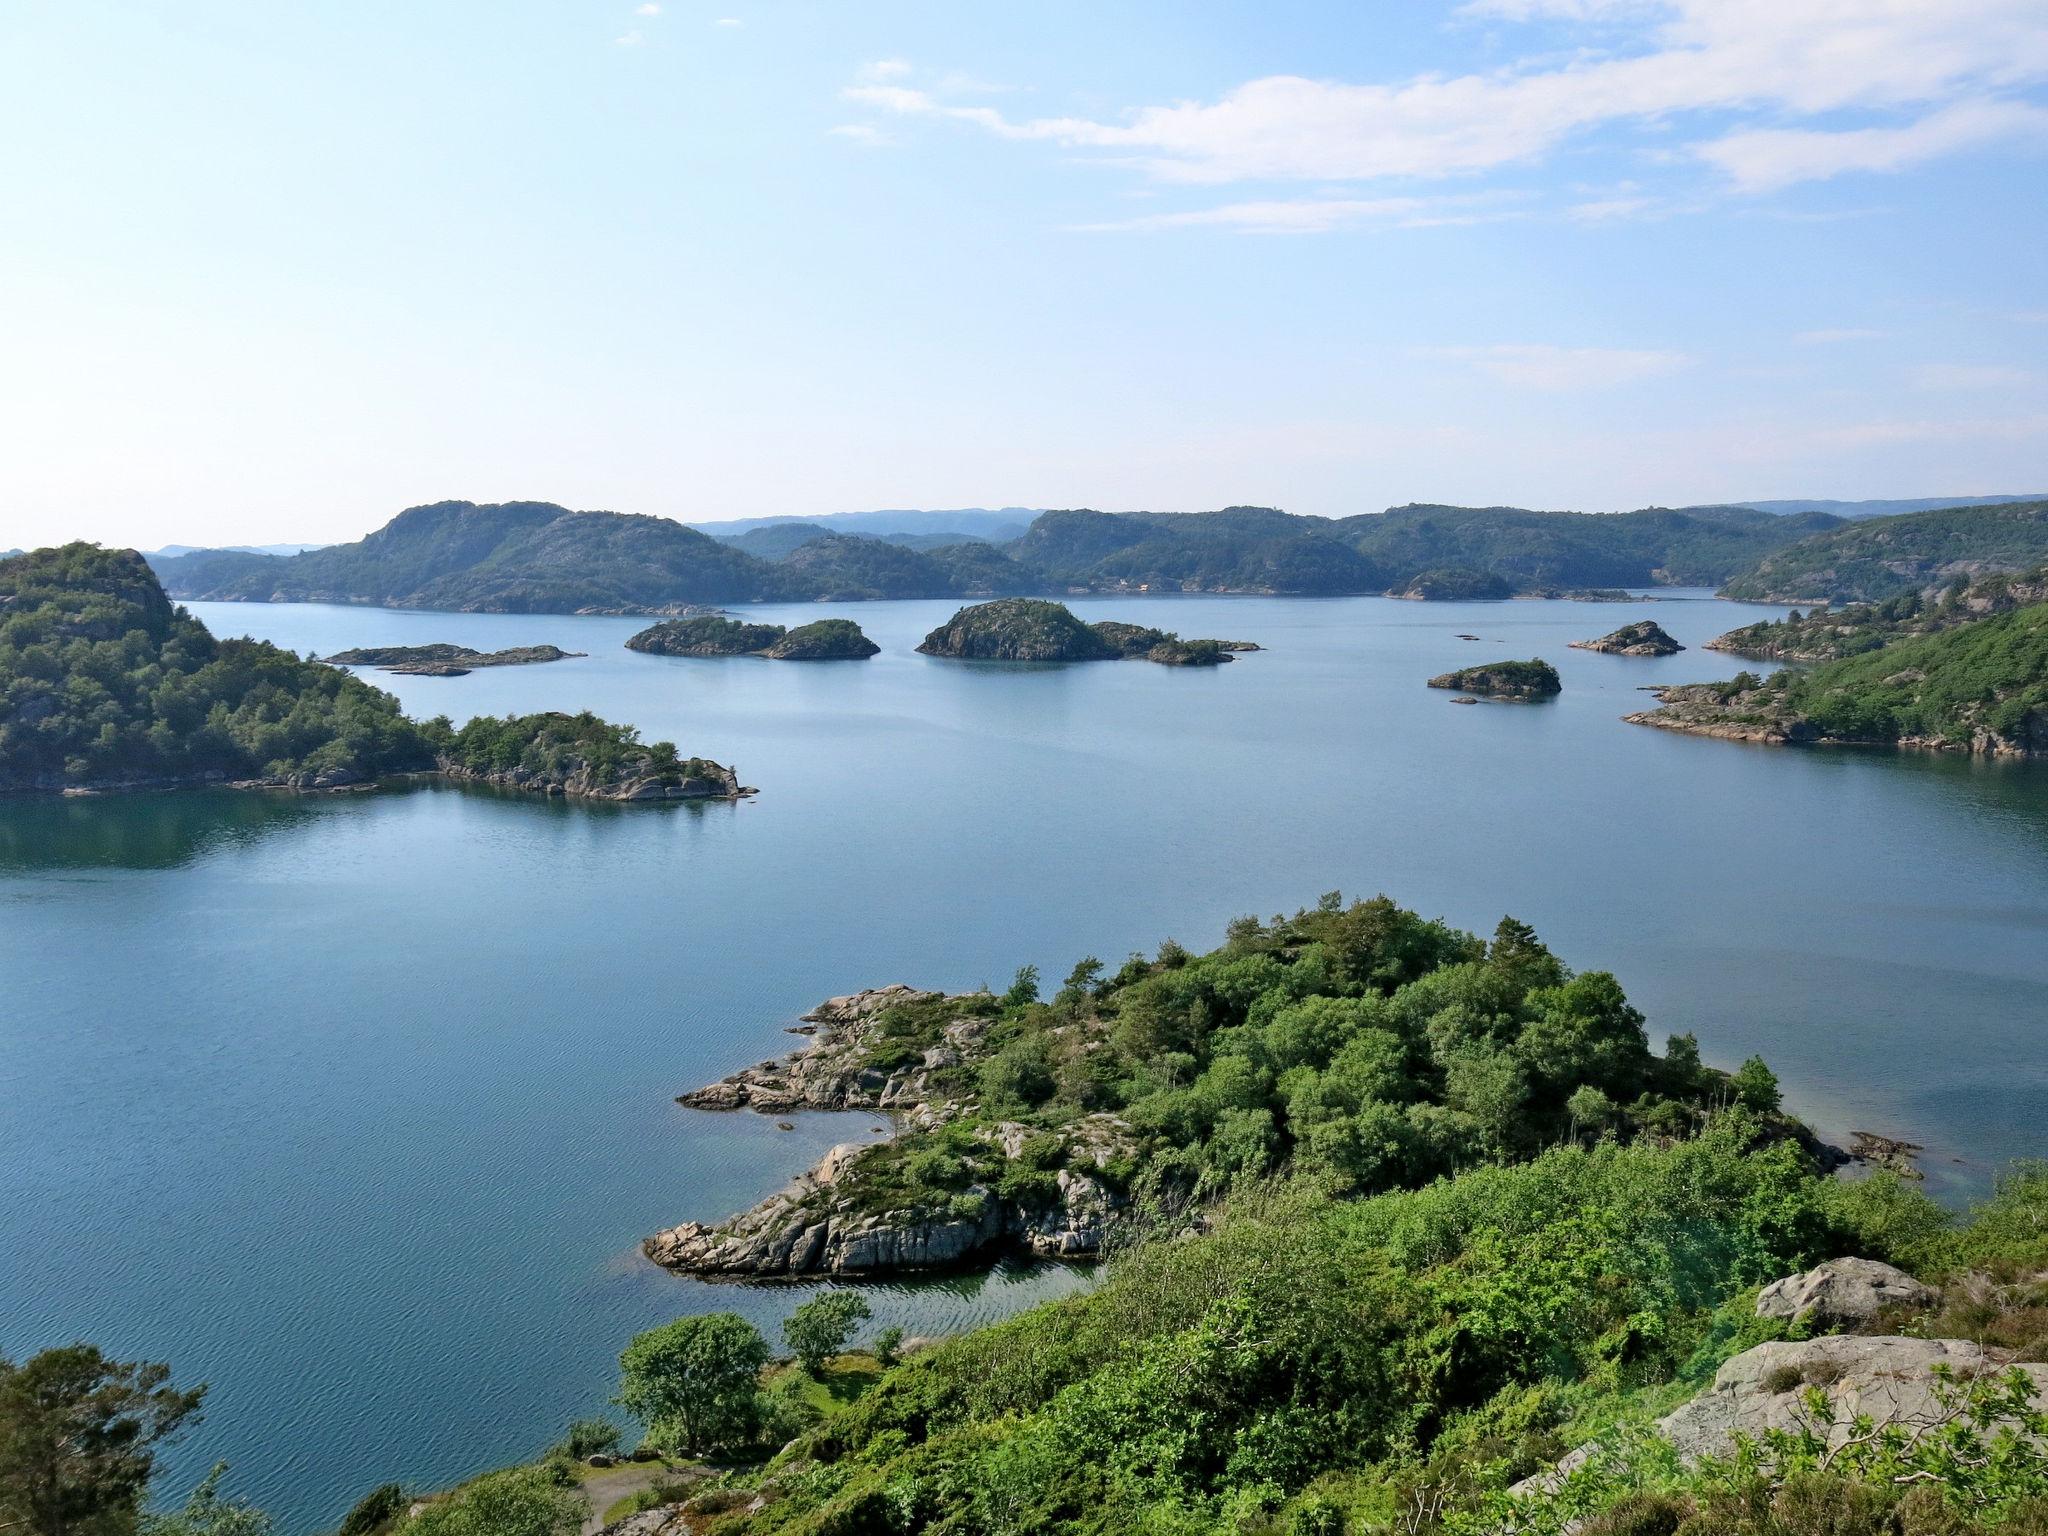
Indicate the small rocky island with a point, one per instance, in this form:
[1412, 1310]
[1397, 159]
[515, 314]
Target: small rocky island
[822, 640]
[862, 1210]
[1032, 629]
[1520, 681]
[1454, 584]
[444, 660]
[579, 757]
[1645, 637]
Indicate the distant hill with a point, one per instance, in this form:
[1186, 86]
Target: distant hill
[996, 524]
[533, 557]
[1869, 561]
[1857, 509]
[173, 551]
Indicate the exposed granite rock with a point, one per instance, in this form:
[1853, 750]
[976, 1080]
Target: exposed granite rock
[667, 1520]
[1891, 1379]
[1842, 1290]
[1030, 629]
[1521, 681]
[831, 1220]
[1645, 637]
[821, 640]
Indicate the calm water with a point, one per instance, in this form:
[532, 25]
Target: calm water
[356, 1107]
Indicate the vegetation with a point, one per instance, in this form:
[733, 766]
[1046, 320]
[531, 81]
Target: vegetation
[823, 1326]
[1031, 629]
[1534, 679]
[103, 681]
[1828, 634]
[1456, 585]
[1979, 686]
[572, 751]
[520, 1501]
[526, 557]
[695, 1383]
[207, 1513]
[1380, 1364]
[708, 635]
[1870, 561]
[823, 640]
[78, 1439]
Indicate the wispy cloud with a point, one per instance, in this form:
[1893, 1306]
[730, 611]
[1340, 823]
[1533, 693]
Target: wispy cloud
[1952, 69]
[882, 70]
[1560, 369]
[1836, 335]
[632, 39]
[867, 135]
[1879, 434]
[649, 9]
[728, 21]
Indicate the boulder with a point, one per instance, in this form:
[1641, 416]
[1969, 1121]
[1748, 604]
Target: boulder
[1842, 1291]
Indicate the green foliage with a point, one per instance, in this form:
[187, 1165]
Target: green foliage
[1755, 1084]
[524, 1501]
[553, 747]
[705, 635]
[1017, 629]
[889, 1344]
[206, 1513]
[78, 1438]
[103, 681]
[591, 1437]
[823, 1326]
[695, 1383]
[375, 1511]
[1884, 557]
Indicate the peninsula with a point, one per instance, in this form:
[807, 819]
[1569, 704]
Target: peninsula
[444, 660]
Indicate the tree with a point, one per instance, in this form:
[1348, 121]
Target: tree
[889, 1345]
[822, 1327]
[525, 1501]
[695, 1382]
[206, 1513]
[1756, 1085]
[78, 1435]
[1023, 987]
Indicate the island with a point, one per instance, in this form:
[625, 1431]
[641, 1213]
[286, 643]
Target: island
[1454, 584]
[1827, 634]
[444, 660]
[1645, 637]
[821, 640]
[1341, 1042]
[110, 687]
[1031, 629]
[1519, 681]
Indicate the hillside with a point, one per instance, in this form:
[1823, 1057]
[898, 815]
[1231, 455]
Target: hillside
[104, 684]
[1979, 687]
[1826, 634]
[1870, 561]
[1882, 508]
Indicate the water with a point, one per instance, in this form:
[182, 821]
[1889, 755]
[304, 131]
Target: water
[356, 1107]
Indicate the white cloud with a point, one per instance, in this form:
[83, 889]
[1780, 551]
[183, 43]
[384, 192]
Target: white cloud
[649, 9]
[1970, 376]
[1830, 337]
[886, 69]
[1796, 58]
[867, 135]
[1880, 434]
[632, 39]
[1600, 209]
[1558, 369]
[728, 21]
[1765, 159]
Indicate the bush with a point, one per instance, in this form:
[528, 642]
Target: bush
[591, 1437]
[823, 1326]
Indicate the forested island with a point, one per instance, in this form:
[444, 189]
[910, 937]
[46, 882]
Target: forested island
[106, 685]
[820, 640]
[444, 660]
[533, 557]
[1028, 629]
[1516, 681]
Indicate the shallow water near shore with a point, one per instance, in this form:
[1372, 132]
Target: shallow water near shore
[357, 1106]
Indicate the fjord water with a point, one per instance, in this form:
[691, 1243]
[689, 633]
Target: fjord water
[356, 1106]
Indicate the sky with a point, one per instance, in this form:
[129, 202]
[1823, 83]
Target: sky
[274, 272]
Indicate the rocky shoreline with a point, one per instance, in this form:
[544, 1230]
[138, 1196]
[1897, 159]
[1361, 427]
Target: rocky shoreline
[831, 1219]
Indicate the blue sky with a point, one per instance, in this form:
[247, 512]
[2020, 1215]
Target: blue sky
[276, 271]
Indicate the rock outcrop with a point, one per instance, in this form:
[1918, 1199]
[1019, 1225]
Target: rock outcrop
[1842, 1291]
[1520, 681]
[850, 1215]
[822, 640]
[1645, 637]
[1029, 629]
[638, 780]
